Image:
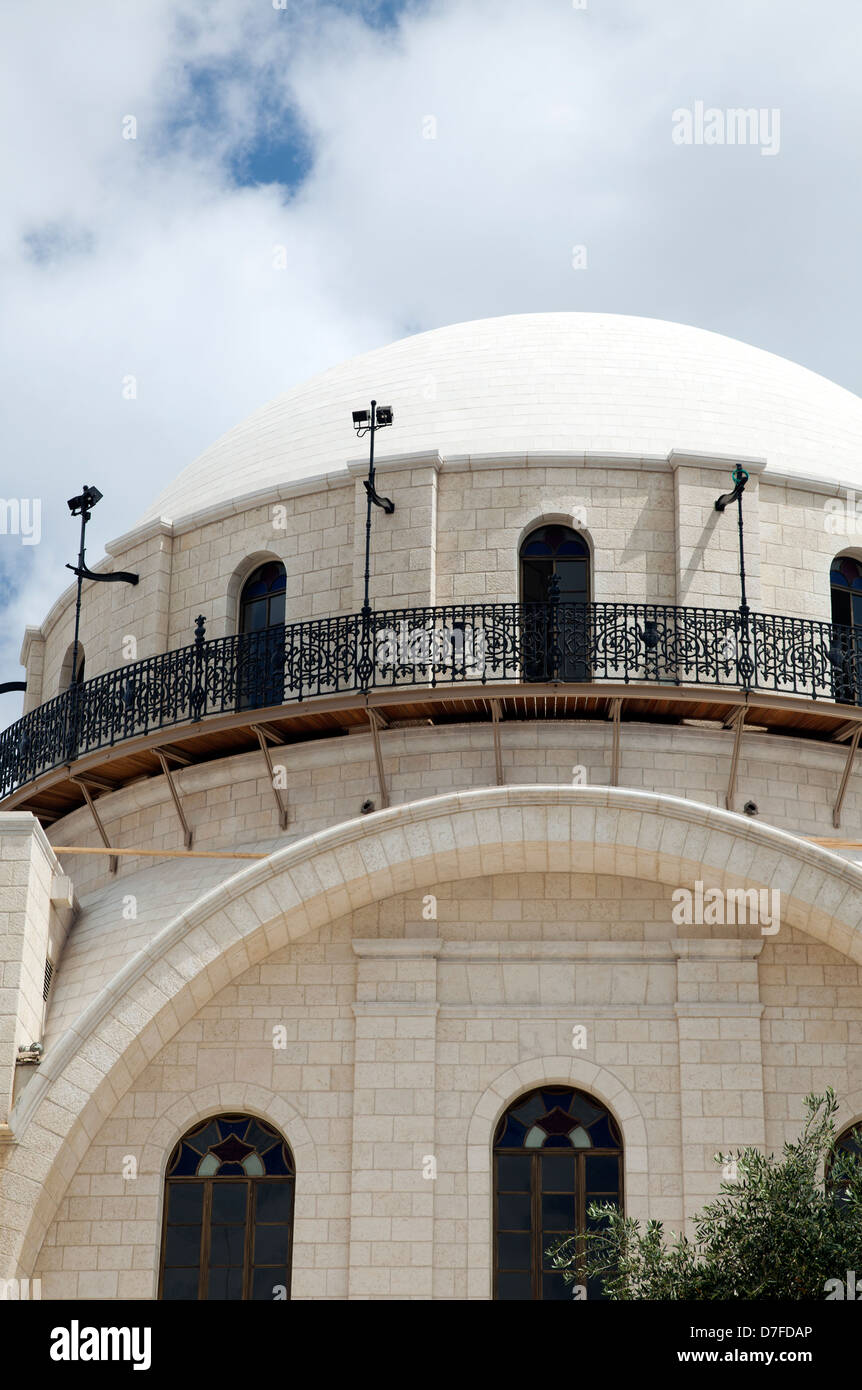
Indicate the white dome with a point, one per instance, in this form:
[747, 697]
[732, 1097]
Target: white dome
[537, 383]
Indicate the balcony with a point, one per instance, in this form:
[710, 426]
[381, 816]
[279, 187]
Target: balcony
[453, 662]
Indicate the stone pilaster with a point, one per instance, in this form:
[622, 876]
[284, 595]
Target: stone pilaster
[392, 1199]
[718, 1013]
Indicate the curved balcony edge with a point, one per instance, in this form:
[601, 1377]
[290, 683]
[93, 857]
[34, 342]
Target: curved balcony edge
[462, 645]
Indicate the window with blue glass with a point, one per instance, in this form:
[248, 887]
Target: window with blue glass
[260, 655]
[845, 580]
[555, 567]
[228, 1220]
[848, 1144]
[261, 603]
[555, 551]
[556, 1151]
[845, 647]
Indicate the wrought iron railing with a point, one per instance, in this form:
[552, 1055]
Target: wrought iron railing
[465, 643]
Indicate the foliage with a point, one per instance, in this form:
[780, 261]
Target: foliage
[780, 1230]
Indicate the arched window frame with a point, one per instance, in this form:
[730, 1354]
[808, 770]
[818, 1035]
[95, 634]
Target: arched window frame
[210, 1165]
[562, 542]
[268, 580]
[845, 586]
[603, 1127]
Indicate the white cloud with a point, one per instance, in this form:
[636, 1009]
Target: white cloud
[553, 128]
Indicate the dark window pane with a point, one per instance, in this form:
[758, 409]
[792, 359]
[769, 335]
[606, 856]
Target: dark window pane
[209, 1134]
[603, 1172]
[185, 1202]
[273, 1200]
[601, 1134]
[225, 1284]
[183, 1245]
[841, 611]
[267, 1284]
[554, 1287]
[180, 1283]
[511, 1134]
[572, 575]
[227, 1245]
[558, 1212]
[536, 574]
[558, 1172]
[229, 1203]
[513, 1212]
[270, 1244]
[276, 609]
[254, 616]
[531, 1109]
[513, 1172]
[276, 1161]
[514, 1250]
[514, 1286]
[186, 1164]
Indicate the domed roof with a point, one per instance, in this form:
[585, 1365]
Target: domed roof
[539, 383]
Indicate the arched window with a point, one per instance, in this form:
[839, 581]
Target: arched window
[261, 602]
[556, 1151]
[845, 649]
[555, 551]
[260, 657]
[555, 564]
[850, 1142]
[227, 1231]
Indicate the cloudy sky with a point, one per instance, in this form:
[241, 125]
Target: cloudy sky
[310, 180]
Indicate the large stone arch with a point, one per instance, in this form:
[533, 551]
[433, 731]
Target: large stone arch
[601, 1082]
[315, 880]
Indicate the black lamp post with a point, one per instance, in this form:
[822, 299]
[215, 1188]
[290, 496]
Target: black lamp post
[745, 665]
[739, 478]
[368, 422]
[83, 506]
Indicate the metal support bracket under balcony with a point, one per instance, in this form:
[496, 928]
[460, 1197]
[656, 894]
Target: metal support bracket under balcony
[845, 776]
[103, 834]
[266, 735]
[498, 751]
[378, 722]
[737, 724]
[163, 755]
[616, 706]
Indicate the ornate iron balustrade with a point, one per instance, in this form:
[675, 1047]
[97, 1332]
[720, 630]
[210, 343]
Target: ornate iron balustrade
[465, 643]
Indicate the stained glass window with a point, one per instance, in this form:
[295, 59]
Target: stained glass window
[227, 1230]
[556, 1151]
[850, 1143]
